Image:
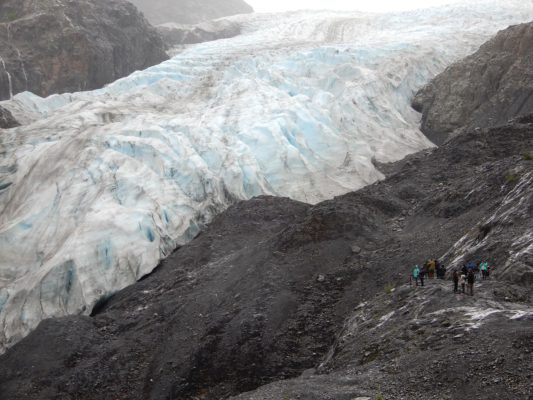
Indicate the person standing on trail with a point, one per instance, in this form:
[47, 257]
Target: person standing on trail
[484, 269]
[431, 269]
[477, 270]
[456, 281]
[470, 280]
[416, 274]
[464, 270]
[463, 283]
[441, 271]
[422, 275]
[470, 265]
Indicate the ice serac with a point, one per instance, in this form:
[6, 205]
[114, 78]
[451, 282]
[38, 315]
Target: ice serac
[99, 186]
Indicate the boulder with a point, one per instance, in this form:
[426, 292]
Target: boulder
[6, 119]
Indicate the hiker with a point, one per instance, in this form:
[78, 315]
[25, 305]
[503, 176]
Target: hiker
[470, 280]
[456, 281]
[441, 271]
[431, 269]
[463, 283]
[484, 270]
[438, 269]
[470, 265]
[416, 273]
[477, 270]
[464, 270]
[421, 275]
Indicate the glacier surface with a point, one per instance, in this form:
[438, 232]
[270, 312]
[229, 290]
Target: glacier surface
[96, 187]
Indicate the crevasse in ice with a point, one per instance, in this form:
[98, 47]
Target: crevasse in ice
[97, 187]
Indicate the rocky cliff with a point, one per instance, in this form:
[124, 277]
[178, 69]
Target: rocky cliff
[59, 46]
[488, 88]
[189, 11]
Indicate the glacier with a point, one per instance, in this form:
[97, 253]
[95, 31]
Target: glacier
[97, 187]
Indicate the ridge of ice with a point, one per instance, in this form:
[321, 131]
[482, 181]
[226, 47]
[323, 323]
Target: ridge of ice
[103, 184]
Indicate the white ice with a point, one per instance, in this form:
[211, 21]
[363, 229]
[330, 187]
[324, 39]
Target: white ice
[97, 187]
[474, 317]
[383, 320]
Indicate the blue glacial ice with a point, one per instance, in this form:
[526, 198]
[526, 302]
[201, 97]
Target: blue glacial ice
[97, 187]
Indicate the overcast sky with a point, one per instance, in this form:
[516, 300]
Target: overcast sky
[363, 5]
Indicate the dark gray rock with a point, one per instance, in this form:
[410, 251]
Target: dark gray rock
[50, 46]
[356, 249]
[423, 343]
[189, 11]
[488, 88]
[6, 119]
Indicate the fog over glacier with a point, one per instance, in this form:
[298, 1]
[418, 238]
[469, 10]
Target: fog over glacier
[96, 187]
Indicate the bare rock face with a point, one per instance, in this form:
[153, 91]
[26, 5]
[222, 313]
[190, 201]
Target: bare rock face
[189, 11]
[60, 46]
[6, 119]
[488, 88]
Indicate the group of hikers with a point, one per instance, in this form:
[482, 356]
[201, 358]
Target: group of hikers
[469, 273]
[431, 268]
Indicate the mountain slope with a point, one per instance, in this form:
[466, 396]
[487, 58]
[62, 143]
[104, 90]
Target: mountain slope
[420, 344]
[100, 186]
[57, 46]
[265, 292]
[490, 87]
[188, 11]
